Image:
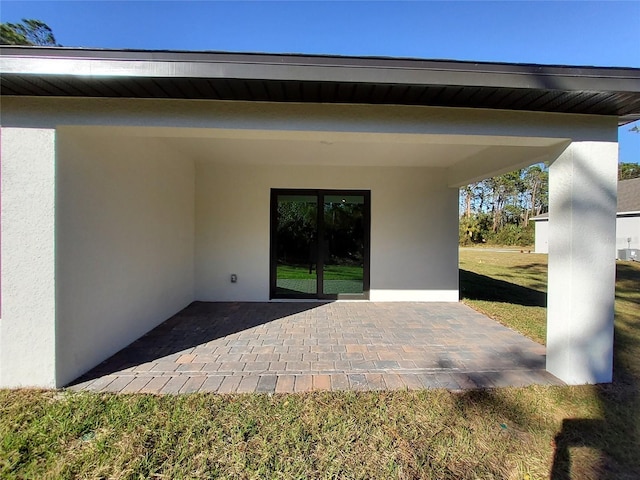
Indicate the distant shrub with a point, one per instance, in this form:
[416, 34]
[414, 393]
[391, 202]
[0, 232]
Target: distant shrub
[512, 234]
[477, 229]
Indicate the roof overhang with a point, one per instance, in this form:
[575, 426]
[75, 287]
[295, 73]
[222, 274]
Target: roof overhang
[74, 72]
[545, 216]
[540, 218]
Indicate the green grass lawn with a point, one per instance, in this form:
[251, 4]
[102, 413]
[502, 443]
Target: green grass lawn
[510, 287]
[586, 432]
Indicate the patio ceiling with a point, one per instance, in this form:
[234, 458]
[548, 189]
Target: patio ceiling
[29, 71]
[466, 159]
[465, 156]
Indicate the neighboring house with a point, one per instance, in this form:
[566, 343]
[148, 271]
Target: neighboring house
[135, 182]
[627, 219]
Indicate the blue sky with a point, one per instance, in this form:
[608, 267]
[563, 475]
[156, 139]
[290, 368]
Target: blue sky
[604, 33]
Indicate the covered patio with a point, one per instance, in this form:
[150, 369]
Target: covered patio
[135, 183]
[300, 347]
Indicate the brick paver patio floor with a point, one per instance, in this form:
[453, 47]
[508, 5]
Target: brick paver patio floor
[299, 347]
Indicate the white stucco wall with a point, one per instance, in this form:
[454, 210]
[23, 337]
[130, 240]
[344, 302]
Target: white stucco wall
[542, 236]
[581, 282]
[27, 328]
[413, 227]
[628, 227]
[124, 244]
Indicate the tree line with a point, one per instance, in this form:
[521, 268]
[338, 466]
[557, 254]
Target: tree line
[498, 210]
[27, 32]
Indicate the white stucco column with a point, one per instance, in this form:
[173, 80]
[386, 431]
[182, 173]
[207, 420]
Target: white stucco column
[582, 234]
[27, 327]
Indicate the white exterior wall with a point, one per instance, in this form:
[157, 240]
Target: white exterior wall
[542, 236]
[628, 227]
[125, 243]
[27, 327]
[413, 221]
[127, 208]
[581, 285]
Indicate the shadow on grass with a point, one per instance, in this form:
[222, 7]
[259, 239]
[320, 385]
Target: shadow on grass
[615, 433]
[616, 436]
[575, 433]
[480, 287]
[536, 267]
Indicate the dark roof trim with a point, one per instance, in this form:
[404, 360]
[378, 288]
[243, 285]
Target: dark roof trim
[71, 71]
[544, 217]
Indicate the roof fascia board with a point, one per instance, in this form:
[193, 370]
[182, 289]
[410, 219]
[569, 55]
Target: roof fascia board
[323, 69]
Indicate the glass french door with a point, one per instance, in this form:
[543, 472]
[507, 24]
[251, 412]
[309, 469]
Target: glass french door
[320, 244]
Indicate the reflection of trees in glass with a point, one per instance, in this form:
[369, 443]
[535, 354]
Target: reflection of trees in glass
[344, 233]
[296, 230]
[297, 233]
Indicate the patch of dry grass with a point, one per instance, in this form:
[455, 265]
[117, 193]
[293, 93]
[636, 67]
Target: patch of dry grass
[428, 434]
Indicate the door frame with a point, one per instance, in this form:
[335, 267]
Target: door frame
[273, 260]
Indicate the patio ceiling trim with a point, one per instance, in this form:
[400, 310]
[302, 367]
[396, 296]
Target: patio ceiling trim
[75, 72]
